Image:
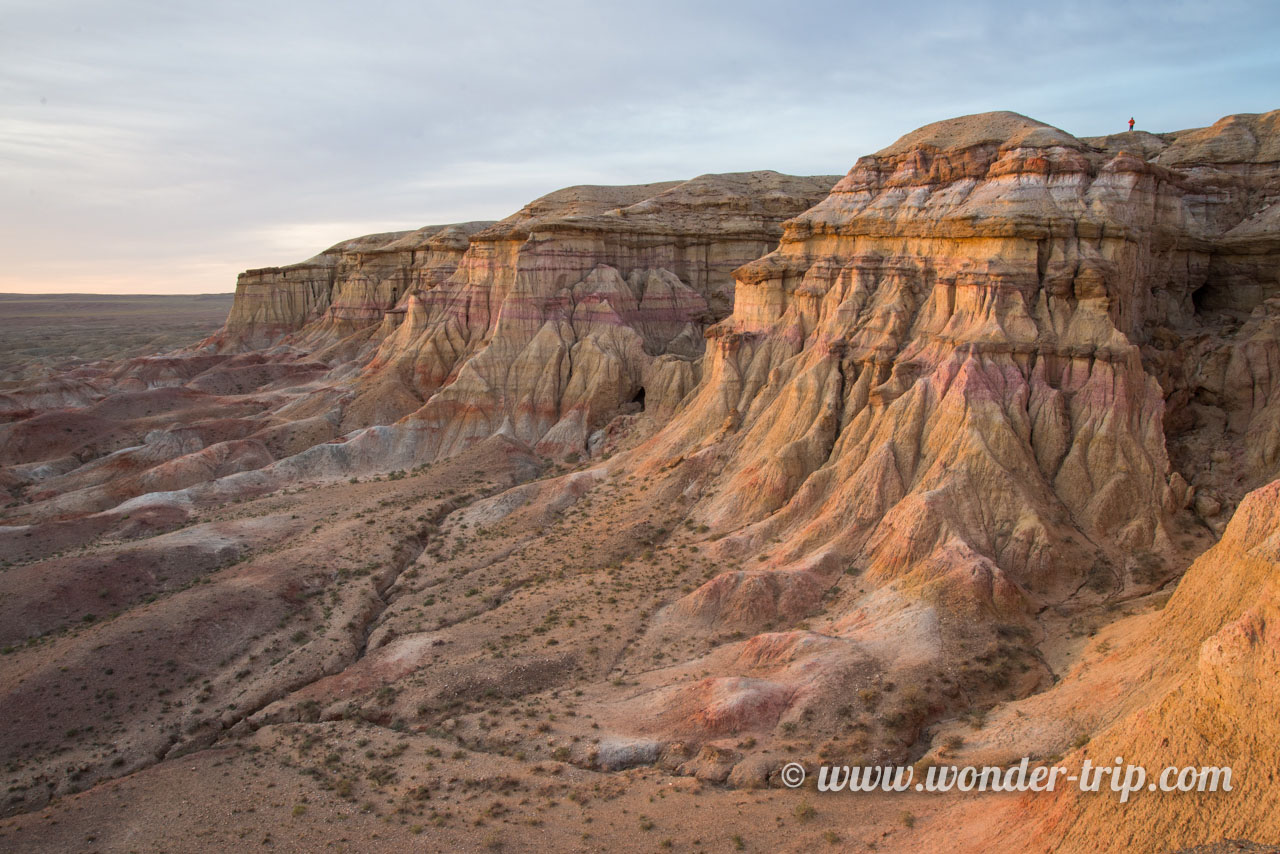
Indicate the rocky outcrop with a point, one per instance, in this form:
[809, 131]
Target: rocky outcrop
[1192, 685]
[756, 465]
[586, 301]
[967, 309]
[954, 374]
[587, 304]
[347, 287]
[1220, 632]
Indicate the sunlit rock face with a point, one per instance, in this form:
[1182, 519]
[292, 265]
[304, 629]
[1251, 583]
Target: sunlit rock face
[964, 373]
[752, 466]
[586, 301]
[1190, 685]
[973, 308]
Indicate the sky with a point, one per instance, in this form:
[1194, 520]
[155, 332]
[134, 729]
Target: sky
[162, 147]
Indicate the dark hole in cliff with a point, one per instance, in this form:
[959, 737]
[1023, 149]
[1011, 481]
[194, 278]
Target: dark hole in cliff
[1208, 297]
[1233, 292]
[639, 398]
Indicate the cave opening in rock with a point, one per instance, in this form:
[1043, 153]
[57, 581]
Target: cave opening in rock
[1207, 297]
[639, 398]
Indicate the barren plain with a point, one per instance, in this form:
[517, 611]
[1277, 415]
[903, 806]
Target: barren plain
[46, 333]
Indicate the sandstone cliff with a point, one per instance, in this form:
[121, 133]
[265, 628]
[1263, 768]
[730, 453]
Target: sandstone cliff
[763, 468]
[991, 301]
[583, 302]
[1192, 684]
[587, 304]
[347, 287]
[550, 322]
[953, 376]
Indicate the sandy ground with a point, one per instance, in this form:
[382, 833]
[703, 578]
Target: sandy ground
[42, 330]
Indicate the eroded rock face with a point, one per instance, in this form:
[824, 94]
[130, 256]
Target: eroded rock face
[1192, 685]
[585, 301]
[953, 375]
[758, 466]
[1220, 630]
[588, 304]
[348, 287]
[962, 324]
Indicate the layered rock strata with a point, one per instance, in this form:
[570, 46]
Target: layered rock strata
[349, 286]
[953, 377]
[587, 304]
[586, 301]
[989, 395]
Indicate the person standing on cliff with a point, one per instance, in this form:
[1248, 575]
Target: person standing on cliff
[1130, 124]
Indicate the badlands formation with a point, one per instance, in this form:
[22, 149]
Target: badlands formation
[569, 531]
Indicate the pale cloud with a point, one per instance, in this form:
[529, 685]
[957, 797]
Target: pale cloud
[164, 147]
